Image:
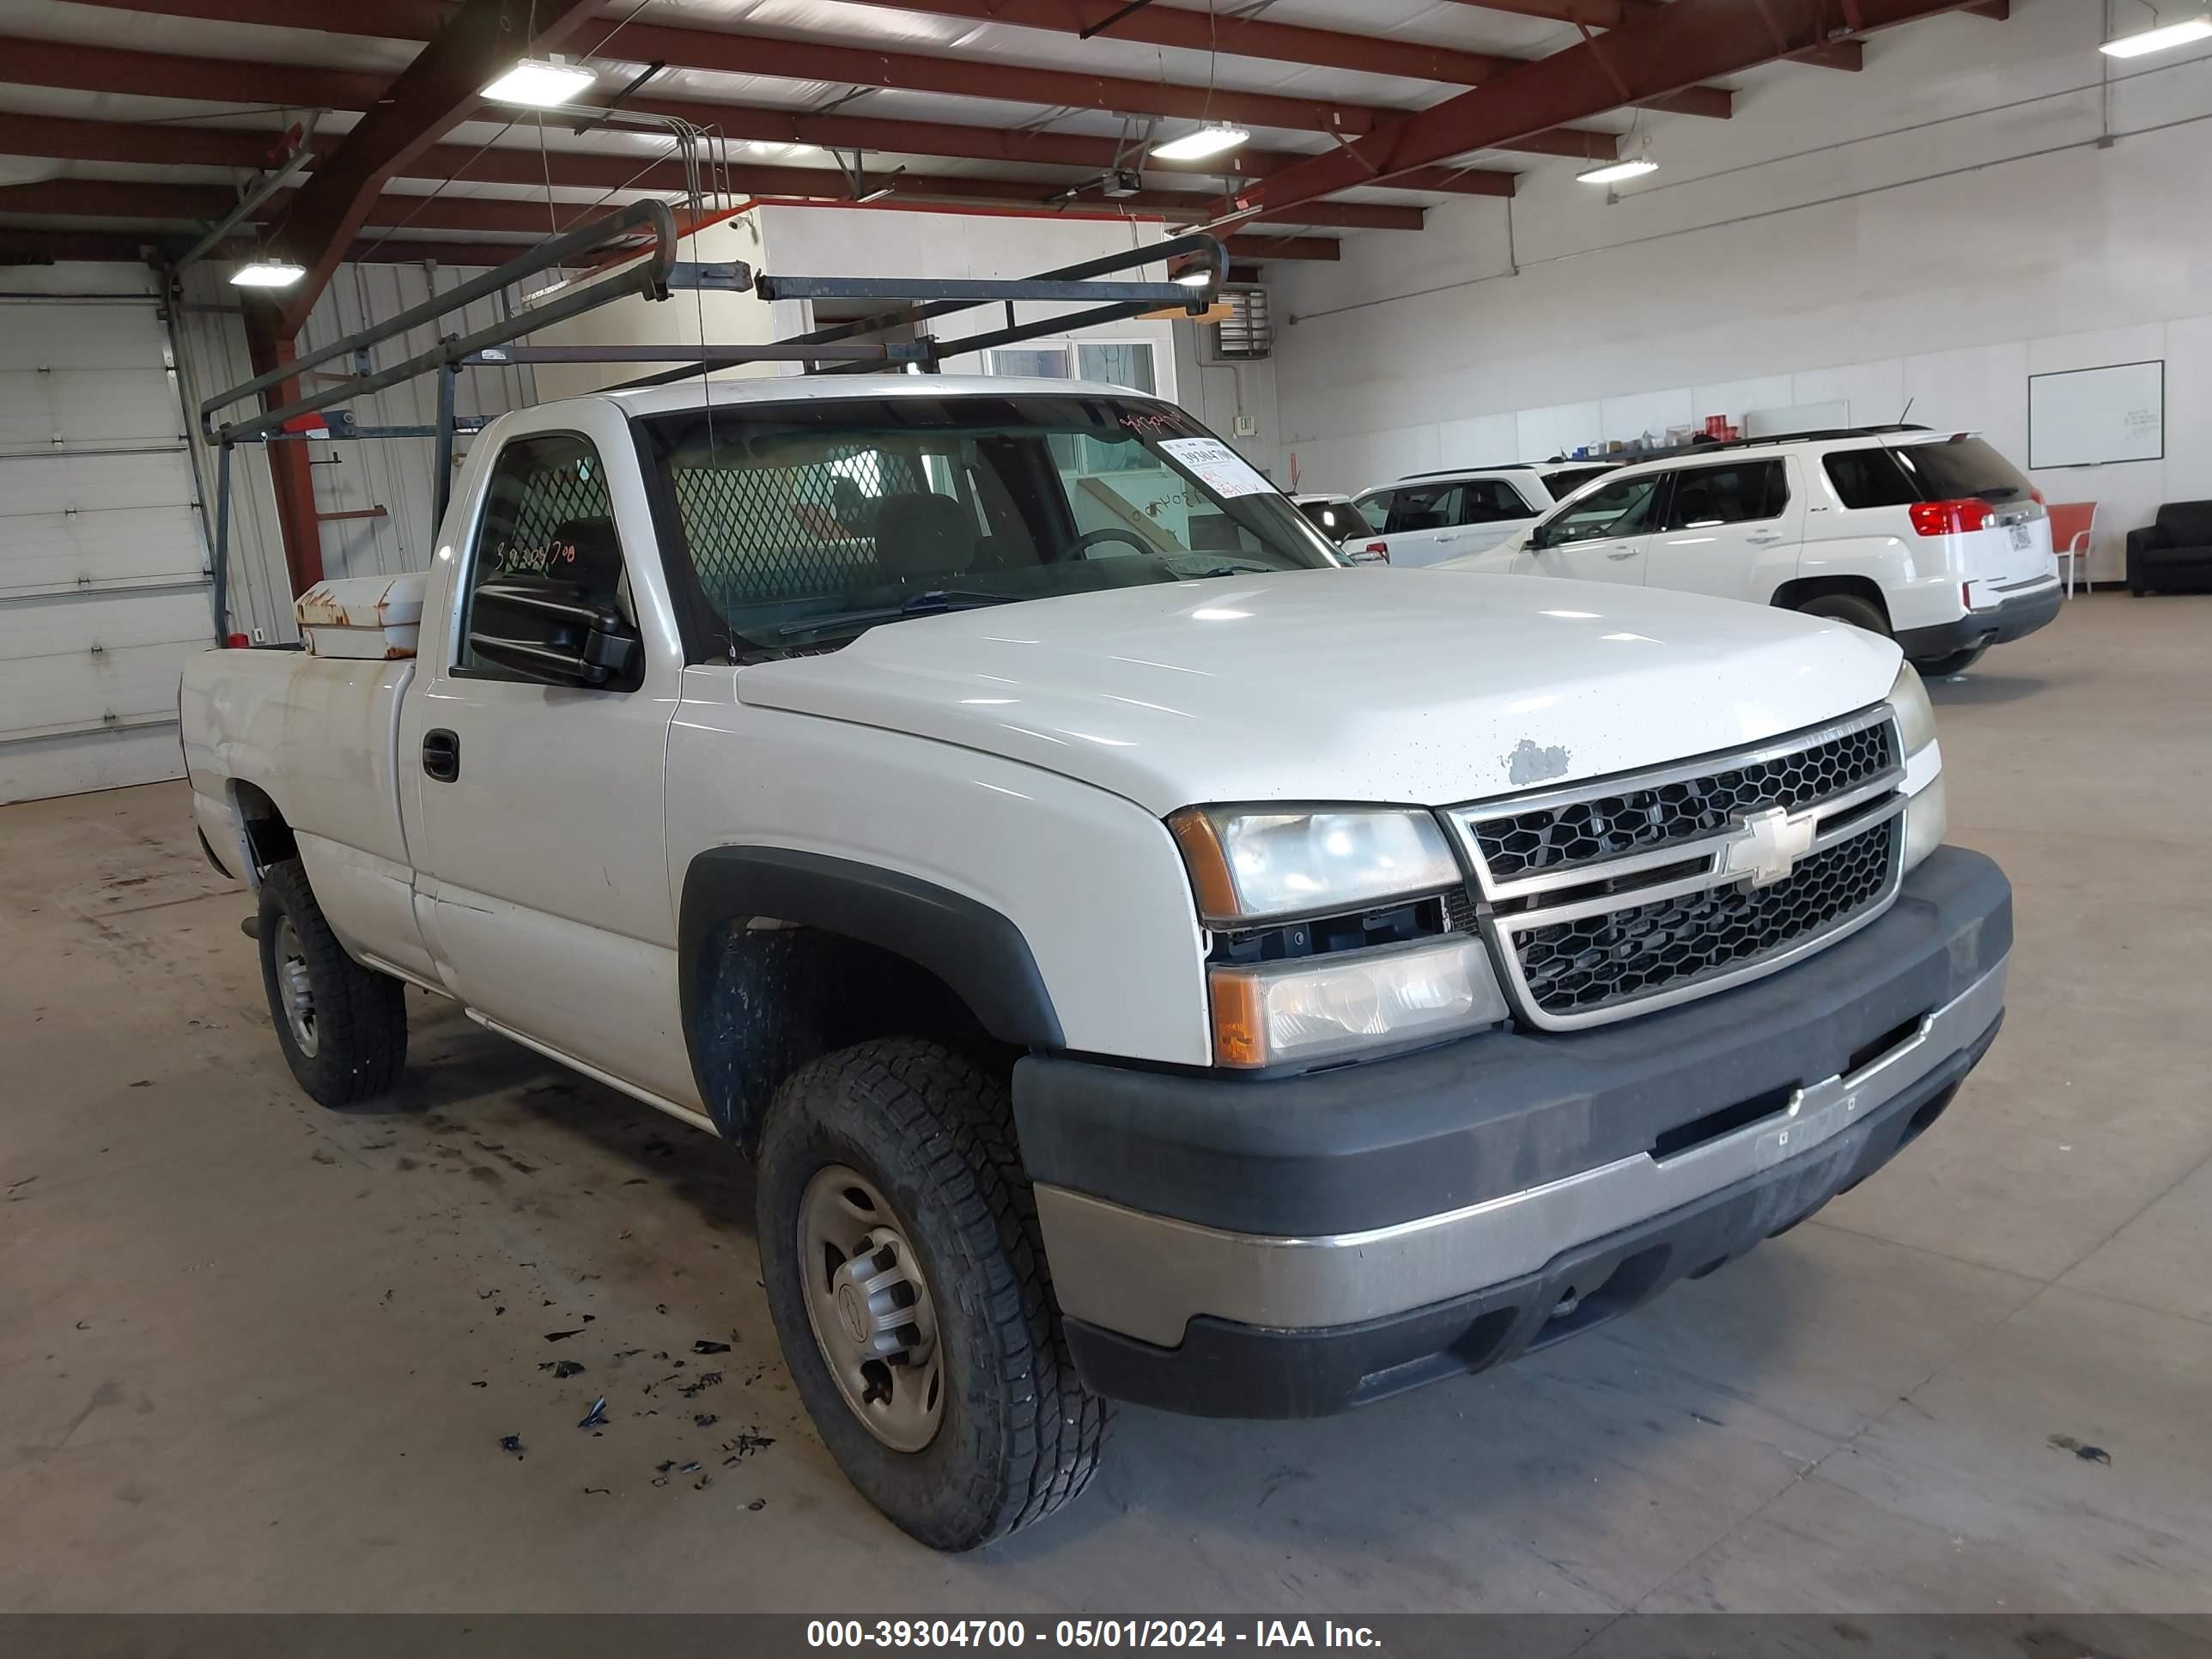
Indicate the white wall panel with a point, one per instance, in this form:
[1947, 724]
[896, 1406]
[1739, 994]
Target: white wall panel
[1936, 227]
[103, 570]
[1481, 440]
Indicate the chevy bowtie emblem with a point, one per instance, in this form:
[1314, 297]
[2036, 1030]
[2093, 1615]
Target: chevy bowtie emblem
[1768, 849]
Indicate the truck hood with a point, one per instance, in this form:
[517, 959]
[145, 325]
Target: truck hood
[1413, 686]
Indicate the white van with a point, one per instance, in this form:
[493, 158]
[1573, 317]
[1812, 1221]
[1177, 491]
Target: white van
[1931, 538]
[1430, 517]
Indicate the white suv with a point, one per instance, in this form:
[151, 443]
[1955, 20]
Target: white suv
[1931, 538]
[1429, 517]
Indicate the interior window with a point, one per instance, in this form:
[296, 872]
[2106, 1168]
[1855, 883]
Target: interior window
[1488, 500]
[1624, 507]
[1035, 362]
[1424, 507]
[547, 512]
[1375, 509]
[1739, 493]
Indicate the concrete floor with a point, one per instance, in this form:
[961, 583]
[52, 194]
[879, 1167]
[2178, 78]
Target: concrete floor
[260, 1356]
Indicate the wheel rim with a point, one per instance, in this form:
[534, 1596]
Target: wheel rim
[293, 986]
[869, 1308]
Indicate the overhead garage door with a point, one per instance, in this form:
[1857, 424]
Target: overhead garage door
[103, 565]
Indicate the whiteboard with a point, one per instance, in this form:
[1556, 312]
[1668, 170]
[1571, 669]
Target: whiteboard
[2097, 417]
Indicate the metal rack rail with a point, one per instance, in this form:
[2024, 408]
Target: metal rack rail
[648, 228]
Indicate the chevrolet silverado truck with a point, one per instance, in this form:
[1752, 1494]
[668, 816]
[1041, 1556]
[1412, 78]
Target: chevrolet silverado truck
[1146, 959]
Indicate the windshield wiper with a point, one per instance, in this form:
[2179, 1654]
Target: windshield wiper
[935, 602]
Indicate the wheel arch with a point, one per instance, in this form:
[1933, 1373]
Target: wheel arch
[783, 955]
[1792, 595]
[263, 832]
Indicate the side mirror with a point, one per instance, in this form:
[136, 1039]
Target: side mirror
[549, 629]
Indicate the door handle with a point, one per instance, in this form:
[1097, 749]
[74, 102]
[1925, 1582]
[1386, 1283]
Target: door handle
[441, 754]
[1766, 539]
[1622, 553]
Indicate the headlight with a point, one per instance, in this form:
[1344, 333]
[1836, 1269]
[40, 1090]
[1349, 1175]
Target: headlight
[1926, 814]
[1329, 1004]
[1926, 819]
[1916, 716]
[1249, 865]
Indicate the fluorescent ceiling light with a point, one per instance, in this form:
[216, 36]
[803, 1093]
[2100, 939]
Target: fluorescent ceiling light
[1613, 171]
[1201, 278]
[875, 195]
[775, 147]
[2198, 28]
[541, 82]
[1197, 146]
[268, 273]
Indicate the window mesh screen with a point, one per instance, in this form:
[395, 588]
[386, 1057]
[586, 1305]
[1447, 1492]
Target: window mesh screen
[761, 534]
[539, 485]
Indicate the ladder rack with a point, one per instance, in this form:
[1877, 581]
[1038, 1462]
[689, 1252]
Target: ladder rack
[648, 228]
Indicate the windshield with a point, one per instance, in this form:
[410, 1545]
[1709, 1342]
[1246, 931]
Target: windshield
[805, 522]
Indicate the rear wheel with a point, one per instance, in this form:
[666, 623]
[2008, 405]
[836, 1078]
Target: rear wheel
[343, 1027]
[1848, 608]
[1958, 662]
[907, 1278]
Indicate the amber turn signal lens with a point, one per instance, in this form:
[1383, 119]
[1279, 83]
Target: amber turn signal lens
[1208, 863]
[1240, 1031]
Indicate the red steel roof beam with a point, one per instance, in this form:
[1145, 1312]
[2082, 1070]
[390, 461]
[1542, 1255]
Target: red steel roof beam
[725, 51]
[1683, 42]
[435, 94]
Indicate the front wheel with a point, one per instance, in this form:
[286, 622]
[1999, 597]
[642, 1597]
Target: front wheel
[343, 1027]
[1958, 662]
[905, 1273]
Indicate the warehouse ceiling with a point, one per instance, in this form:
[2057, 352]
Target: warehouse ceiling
[126, 122]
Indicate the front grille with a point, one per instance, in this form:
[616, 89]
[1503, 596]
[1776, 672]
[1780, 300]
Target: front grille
[1572, 968]
[1562, 835]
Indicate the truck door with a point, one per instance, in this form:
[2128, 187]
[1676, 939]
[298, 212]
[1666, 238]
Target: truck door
[1732, 530]
[542, 866]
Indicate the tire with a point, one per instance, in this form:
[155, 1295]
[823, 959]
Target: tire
[352, 1044]
[1848, 608]
[1958, 662]
[929, 1131]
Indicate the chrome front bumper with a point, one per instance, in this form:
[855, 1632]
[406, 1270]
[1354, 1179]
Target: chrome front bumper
[1146, 1276]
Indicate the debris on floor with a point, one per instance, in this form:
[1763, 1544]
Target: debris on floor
[597, 1417]
[511, 1442]
[703, 1346]
[560, 1368]
[562, 1336]
[2087, 1454]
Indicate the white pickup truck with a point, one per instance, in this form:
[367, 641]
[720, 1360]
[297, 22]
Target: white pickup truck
[1147, 960]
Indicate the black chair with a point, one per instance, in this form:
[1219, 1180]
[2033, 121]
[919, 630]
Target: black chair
[2174, 551]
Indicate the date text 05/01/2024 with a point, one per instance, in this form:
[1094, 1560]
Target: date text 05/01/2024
[996, 1633]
